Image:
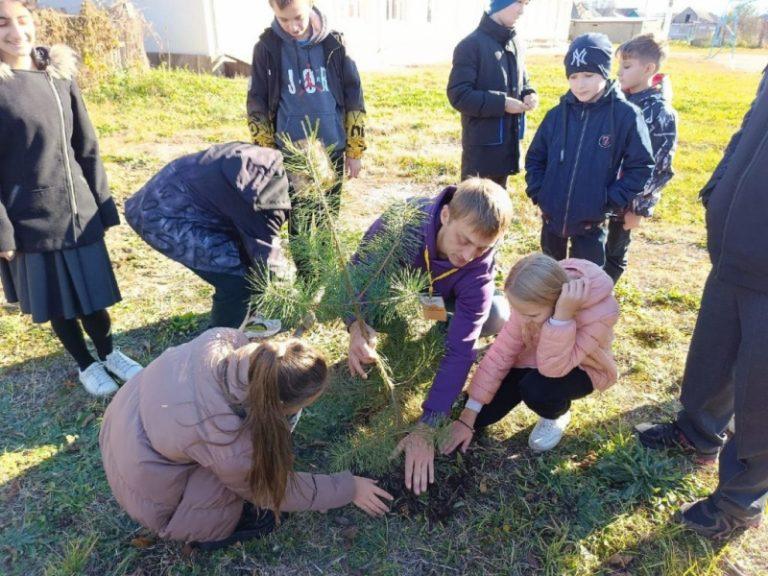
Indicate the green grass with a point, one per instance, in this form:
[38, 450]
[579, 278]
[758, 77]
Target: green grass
[598, 504]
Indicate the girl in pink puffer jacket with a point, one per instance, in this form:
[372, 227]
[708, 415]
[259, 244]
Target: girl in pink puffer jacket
[555, 348]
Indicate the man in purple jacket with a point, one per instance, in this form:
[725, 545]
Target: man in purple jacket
[459, 236]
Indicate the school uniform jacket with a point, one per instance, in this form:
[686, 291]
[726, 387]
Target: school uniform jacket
[488, 66]
[53, 187]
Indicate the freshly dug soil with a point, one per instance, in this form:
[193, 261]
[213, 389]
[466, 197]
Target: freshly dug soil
[453, 480]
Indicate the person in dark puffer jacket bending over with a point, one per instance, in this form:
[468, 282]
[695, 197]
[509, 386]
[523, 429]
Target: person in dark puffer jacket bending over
[489, 86]
[573, 164]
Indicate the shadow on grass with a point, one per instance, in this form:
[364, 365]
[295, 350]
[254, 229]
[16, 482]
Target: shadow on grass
[53, 486]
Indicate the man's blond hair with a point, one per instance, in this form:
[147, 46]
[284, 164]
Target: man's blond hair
[484, 203]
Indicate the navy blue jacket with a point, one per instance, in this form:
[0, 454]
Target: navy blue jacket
[661, 120]
[572, 166]
[488, 66]
[217, 210]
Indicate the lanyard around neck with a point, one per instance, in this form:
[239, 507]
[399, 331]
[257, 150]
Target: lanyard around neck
[429, 272]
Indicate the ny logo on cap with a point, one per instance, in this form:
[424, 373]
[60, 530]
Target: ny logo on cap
[579, 57]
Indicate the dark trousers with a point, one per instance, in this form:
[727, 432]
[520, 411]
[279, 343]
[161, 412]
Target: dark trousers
[548, 397]
[726, 375]
[588, 246]
[302, 210]
[616, 248]
[231, 296]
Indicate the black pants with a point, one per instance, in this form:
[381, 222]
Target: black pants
[231, 296]
[548, 397]
[588, 246]
[725, 377]
[302, 209]
[616, 248]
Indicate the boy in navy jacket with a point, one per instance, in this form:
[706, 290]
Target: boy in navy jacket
[639, 63]
[590, 157]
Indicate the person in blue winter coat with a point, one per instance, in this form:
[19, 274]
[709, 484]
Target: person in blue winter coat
[639, 63]
[591, 156]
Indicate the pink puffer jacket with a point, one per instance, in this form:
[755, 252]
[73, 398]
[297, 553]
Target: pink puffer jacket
[584, 342]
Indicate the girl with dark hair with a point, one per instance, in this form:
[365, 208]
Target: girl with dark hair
[54, 202]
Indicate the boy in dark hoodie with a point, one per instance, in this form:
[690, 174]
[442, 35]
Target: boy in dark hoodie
[639, 63]
[303, 79]
[572, 166]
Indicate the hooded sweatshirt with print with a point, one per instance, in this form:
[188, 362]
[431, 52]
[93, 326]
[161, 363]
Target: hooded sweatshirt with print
[294, 83]
[583, 342]
[572, 166]
[661, 120]
[471, 287]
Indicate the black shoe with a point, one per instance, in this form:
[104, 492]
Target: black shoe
[669, 435]
[707, 520]
[254, 523]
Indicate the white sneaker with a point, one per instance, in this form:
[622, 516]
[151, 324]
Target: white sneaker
[547, 433]
[96, 380]
[121, 366]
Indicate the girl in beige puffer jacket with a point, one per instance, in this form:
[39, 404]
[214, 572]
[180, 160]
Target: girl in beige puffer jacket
[197, 446]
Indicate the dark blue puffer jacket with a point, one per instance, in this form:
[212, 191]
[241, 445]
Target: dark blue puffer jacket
[573, 164]
[200, 210]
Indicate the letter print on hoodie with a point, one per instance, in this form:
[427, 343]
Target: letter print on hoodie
[306, 100]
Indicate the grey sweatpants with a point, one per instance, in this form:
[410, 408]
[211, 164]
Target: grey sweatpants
[726, 375]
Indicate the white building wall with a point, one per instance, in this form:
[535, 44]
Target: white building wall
[379, 33]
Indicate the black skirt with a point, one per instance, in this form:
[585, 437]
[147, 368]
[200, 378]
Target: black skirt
[61, 284]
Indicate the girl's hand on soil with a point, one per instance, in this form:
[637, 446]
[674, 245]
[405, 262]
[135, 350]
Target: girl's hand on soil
[419, 447]
[353, 165]
[8, 255]
[369, 497]
[532, 101]
[460, 434]
[514, 106]
[362, 350]
[631, 220]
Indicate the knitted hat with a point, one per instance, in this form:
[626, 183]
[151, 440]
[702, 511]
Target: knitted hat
[498, 5]
[589, 53]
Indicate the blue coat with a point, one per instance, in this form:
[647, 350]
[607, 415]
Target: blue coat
[574, 162]
[217, 210]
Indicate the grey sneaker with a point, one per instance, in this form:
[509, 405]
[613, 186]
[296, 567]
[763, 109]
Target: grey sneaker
[547, 433]
[96, 380]
[121, 366]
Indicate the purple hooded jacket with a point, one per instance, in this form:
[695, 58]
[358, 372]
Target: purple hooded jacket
[471, 288]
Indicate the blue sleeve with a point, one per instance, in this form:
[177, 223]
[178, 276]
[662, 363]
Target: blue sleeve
[537, 155]
[636, 163]
[473, 305]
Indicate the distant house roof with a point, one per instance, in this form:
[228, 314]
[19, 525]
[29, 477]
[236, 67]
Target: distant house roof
[700, 15]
